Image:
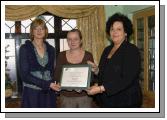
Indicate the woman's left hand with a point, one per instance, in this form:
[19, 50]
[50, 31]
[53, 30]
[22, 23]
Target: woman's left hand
[93, 90]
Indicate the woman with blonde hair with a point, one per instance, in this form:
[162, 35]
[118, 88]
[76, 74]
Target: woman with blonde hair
[36, 69]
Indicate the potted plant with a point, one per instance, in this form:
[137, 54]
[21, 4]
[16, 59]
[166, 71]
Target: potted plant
[8, 82]
[8, 86]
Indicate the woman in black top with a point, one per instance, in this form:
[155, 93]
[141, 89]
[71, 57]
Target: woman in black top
[119, 68]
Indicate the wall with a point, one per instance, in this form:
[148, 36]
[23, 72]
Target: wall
[128, 9]
[125, 9]
[111, 9]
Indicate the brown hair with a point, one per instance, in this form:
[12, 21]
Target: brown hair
[34, 24]
[79, 33]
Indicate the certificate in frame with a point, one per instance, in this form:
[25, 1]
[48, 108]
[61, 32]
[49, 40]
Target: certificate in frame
[75, 77]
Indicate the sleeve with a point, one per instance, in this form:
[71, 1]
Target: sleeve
[129, 73]
[90, 57]
[101, 64]
[52, 62]
[93, 76]
[25, 71]
[58, 68]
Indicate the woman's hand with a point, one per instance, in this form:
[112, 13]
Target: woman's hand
[95, 68]
[95, 89]
[55, 87]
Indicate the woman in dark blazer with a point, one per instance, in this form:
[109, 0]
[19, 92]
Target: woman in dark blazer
[36, 69]
[119, 68]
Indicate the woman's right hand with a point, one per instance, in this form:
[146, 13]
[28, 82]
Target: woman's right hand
[95, 68]
[55, 87]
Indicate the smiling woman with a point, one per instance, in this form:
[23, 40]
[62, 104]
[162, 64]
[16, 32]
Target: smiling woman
[118, 74]
[36, 69]
[75, 55]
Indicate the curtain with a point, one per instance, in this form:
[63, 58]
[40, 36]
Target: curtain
[90, 19]
[22, 12]
[93, 30]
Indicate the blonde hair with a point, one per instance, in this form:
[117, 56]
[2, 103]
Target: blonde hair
[34, 24]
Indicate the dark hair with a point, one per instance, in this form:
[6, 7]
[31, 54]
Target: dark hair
[127, 24]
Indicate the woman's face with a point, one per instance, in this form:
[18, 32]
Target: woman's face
[117, 32]
[39, 32]
[73, 40]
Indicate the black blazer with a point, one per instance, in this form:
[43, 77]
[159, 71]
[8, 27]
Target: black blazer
[120, 77]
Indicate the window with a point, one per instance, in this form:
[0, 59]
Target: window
[68, 24]
[10, 27]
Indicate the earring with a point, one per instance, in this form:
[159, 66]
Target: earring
[126, 37]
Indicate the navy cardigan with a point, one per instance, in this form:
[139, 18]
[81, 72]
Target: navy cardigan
[28, 63]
